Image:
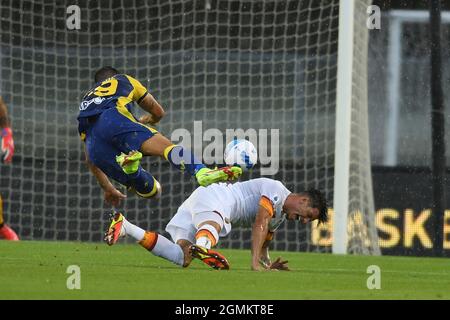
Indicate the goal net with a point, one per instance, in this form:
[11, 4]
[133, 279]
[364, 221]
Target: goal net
[268, 68]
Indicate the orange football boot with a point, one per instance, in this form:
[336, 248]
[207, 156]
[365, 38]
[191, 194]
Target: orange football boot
[212, 258]
[115, 229]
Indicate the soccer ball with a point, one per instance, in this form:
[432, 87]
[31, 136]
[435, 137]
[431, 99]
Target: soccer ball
[242, 153]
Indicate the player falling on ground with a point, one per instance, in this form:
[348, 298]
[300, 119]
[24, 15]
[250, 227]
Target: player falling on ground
[7, 152]
[115, 140]
[209, 213]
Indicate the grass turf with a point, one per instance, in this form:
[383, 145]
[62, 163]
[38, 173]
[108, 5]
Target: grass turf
[37, 270]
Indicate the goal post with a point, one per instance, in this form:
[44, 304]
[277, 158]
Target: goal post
[354, 227]
[343, 125]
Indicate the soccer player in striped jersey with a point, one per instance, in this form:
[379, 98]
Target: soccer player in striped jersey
[7, 152]
[209, 213]
[115, 140]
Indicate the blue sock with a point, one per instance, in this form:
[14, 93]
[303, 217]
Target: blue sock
[183, 159]
[143, 183]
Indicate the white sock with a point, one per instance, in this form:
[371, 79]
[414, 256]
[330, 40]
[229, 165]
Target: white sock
[168, 250]
[204, 242]
[133, 230]
[206, 236]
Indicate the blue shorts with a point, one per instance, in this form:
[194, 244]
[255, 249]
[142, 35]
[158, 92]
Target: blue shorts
[109, 135]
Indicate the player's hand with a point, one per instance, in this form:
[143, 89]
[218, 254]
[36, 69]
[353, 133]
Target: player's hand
[279, 265]
[7, 145]
[148, 119]
[114, 196]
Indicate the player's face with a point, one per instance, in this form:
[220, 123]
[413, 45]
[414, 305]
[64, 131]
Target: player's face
[303, 211]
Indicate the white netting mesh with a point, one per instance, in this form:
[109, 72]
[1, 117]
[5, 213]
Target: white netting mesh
[362, 232]
[227, 63]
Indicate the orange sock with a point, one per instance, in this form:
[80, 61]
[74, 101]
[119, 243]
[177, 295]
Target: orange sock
[149, 241]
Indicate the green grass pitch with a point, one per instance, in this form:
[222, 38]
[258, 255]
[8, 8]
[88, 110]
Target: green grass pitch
[37, 270]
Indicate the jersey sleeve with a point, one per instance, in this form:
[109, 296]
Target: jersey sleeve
[267, 204]
[275, 191]
[139, 91]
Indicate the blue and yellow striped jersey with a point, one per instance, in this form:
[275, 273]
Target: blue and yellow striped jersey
[114, 92]
[118, 92]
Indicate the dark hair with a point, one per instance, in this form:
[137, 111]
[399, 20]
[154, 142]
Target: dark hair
[105, 73]
[319, 201]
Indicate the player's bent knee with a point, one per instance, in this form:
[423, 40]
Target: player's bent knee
[212, 218]
[216, 225]
[156, 145]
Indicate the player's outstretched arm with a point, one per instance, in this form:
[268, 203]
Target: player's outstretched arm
[264, 259]
[259, 234]
[111, 194]
[156, 112]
